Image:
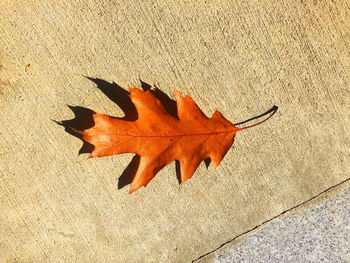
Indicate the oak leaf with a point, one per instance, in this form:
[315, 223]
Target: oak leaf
[159, 138]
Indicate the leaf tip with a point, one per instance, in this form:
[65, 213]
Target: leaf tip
[77, 131]
[183, 181]
[177, 94]
[133, 189]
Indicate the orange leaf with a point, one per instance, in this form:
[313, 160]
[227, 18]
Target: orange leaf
[160, 138]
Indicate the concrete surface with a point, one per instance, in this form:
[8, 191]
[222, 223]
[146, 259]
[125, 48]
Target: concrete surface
[319, 234]
[238, 57]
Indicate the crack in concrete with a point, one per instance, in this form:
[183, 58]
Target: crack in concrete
[269, 220]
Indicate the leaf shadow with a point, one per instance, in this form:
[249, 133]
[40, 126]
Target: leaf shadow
[83, 119]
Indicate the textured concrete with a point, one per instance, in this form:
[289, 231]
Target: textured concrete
[240, 58]
[319, 234]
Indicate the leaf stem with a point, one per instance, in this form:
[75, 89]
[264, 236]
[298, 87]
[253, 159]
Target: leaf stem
[273, 110]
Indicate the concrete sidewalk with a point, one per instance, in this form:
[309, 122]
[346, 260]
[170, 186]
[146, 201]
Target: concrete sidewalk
[238, 57]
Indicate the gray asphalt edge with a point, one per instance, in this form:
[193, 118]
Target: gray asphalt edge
[252, 230]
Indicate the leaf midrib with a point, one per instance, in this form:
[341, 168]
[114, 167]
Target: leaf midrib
[175, 135]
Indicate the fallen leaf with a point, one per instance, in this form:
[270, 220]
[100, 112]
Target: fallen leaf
[159, 138]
